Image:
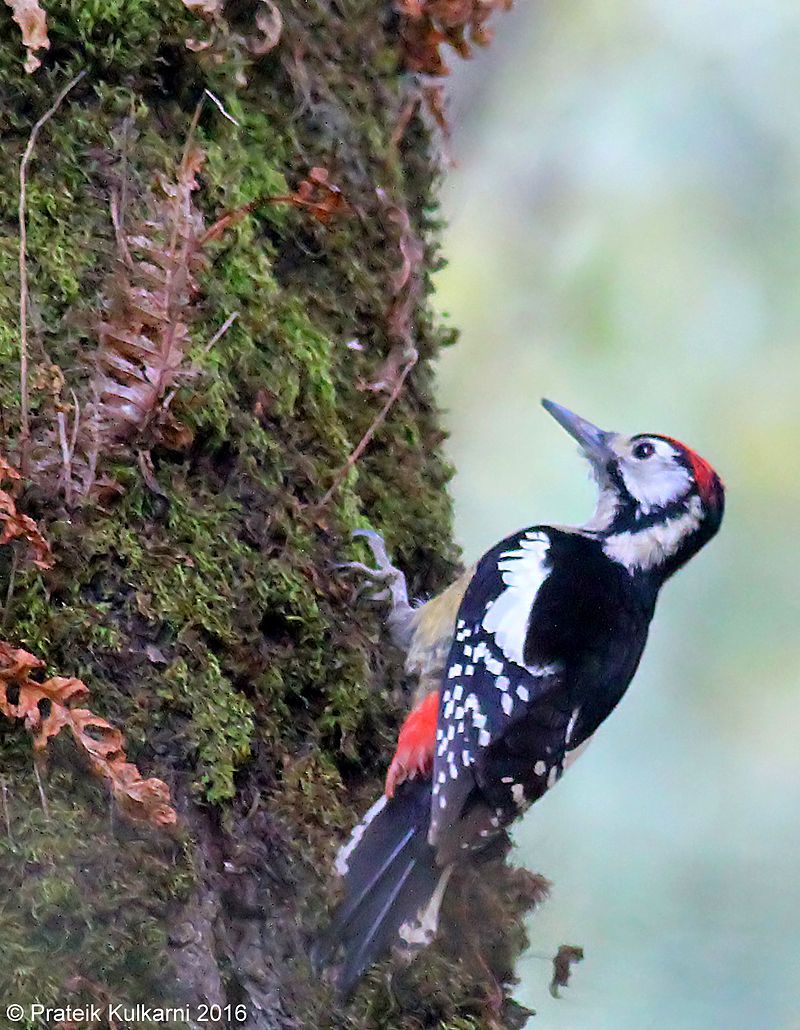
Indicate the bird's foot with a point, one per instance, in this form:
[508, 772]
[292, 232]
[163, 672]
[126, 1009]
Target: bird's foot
[395, 588]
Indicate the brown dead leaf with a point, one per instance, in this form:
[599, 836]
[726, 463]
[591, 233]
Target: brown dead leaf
[316, 194]
[566, 955]
[15, 525]
[428, 24]
[31, 19]
[319, 196]
[47, 707]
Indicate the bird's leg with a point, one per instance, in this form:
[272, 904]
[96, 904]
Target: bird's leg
[400, 620]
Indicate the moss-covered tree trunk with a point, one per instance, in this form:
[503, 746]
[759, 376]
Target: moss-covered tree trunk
[195, 489]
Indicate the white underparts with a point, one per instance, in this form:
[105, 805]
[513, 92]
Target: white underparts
[645, 548]
[523, 571]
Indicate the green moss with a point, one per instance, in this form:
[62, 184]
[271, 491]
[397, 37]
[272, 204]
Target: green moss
[207, 619]
[220, 722]
[82, 896]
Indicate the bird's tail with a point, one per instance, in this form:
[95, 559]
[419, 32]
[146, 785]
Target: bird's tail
[393, 886]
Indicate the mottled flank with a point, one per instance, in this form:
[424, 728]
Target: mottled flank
[196, 596]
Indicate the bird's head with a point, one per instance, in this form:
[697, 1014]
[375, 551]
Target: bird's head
[659, 502]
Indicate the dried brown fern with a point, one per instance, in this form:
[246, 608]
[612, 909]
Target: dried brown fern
[144, 336]
[47, 707]
[14, 525]
[144, 333]
[143, 339]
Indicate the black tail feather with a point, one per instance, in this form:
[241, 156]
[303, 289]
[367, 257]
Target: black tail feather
[390, 875]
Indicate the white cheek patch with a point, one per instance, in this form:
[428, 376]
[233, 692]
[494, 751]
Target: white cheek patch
[657, 481]
[523, 572]
[648, 547]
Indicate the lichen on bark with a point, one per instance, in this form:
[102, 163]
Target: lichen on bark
[206, 614]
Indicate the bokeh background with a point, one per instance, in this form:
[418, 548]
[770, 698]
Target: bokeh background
[624, 237]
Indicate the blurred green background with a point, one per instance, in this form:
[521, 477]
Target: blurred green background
[624, 237]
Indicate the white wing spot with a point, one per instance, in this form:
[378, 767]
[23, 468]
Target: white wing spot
[502, 682]
[518, 793]
[507, 703]
[571, 725]
[523, 694]
[540, 768]
[523, 571]
[342, 863]
[484, 738]
[454, 671]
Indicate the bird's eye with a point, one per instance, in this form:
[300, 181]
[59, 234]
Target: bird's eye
[643, 450]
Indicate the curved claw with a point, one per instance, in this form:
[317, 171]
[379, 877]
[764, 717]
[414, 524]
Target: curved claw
[366, 569]
[377, 545]
[395, 590]
[396, 581]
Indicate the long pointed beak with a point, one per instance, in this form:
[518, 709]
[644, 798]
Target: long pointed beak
[595, 443]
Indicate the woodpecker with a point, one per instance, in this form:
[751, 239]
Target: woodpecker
[519, 661]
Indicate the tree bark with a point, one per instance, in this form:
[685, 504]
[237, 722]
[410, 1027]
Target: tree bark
[194, 532]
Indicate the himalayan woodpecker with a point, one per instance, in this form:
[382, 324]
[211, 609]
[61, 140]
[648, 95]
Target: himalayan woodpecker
[519, 661]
